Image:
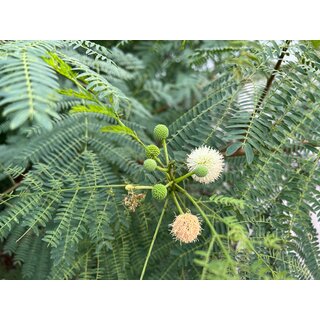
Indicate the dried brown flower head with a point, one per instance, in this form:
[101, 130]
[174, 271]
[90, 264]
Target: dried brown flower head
[186, 227]
[132, 200]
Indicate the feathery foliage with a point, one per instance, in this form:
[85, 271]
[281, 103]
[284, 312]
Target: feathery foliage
[77, 116]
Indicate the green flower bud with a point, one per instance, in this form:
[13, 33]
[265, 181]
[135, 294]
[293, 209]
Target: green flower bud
[201, 171]
[152, 151]
[161, 132]
[150, 165]
[159, 191]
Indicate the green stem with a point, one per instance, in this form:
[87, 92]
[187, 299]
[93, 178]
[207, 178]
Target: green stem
[212, 229]
[177, 203]
[135, 136]
[204, 270]
[153, 240]
[219, 218]
[216, 216]
[204, 216]
[162, 169]
[137, 139]
[169, 184]
[179, 179]
[180, 201]
[164, 144]
[132, 187]
[71, 189]
[160, 162]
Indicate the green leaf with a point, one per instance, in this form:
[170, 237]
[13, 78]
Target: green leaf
[279, 98]
[220, 199]
[19, 118]
[94, 108]
[43, 119]
[119, 129]
[233, 148]
[75, 94]
[60, 66]
[249, 153]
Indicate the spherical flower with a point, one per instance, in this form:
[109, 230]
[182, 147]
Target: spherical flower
[150, 165]
[159, 191]
[186, 227]
[210, 158]
[152, 151]
[161, 132]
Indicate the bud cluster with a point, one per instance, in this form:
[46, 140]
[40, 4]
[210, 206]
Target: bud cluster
[204, 165]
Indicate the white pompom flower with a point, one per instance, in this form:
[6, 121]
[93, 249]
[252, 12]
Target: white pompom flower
[210, 158]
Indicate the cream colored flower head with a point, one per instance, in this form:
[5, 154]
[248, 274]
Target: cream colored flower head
[210, 158]
[186, 227]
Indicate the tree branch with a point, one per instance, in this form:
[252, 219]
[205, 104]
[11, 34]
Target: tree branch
[240, 152]
[273, 74]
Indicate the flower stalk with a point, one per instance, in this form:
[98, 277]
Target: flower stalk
[175, 200]
[187, 175]
[130, 187]
[153, 240]
[165, 150]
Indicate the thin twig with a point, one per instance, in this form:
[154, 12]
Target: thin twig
[12, 188]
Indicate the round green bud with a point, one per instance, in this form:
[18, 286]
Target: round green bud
[161, 132]
[201, 171]
[150, 165]
[152, 151]
[159, 191]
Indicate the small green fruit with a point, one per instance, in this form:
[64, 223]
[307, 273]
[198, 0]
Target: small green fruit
[161, 132]
[201, 171]
[150, 165]
[152, 151]
[159, 191]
